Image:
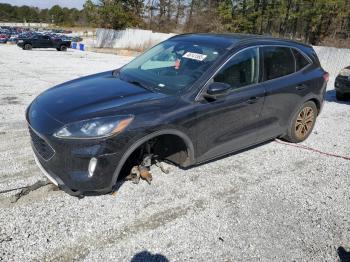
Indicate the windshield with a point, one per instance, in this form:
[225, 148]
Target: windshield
[171, 66]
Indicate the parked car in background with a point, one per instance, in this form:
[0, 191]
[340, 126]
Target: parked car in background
[3, 38]
[76, 39]
[190, 99]
[13, 34]
[43, 41]
[24, 35]
[13, 39]
[342, 84]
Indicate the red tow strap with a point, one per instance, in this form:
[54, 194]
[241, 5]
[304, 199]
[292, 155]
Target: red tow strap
[311, 149]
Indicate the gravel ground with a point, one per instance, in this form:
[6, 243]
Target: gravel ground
[271, 203]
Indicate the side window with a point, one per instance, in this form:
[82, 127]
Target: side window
[300, 60]
[241, 70]
[278, 62]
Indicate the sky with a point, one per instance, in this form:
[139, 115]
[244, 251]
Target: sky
[47, 3]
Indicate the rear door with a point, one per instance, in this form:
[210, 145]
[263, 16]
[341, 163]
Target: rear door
[285, 83]
[231, 122]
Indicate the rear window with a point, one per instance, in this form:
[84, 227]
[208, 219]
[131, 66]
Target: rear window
[300, 60]
[278, 62]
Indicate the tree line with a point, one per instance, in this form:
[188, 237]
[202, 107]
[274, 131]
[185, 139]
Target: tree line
[311, 21]
[56, 14]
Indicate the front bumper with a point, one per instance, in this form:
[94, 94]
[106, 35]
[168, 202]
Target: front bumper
[56, 180]
[66, 161]
[67, 165]
[342, 85]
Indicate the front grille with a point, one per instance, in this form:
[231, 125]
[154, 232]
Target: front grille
[41, 146]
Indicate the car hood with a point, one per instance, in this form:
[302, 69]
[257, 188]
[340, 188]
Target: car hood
[93, 96]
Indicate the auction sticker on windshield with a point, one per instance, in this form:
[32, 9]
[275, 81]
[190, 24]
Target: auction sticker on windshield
[194, 56]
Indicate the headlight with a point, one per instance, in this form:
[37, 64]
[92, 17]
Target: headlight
[94, 128]
[345, 72]
[20, 41]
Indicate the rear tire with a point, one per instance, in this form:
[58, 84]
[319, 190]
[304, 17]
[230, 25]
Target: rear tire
[302, 123]
[340, 96]
[63, 48]
[27, 47]
[58, 49]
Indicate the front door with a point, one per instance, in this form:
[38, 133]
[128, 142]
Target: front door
[46, 42]
[231, 122]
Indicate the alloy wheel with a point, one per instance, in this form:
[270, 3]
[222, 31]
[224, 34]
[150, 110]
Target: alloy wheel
[304, 122]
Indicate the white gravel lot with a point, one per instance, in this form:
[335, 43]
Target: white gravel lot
[271, 203]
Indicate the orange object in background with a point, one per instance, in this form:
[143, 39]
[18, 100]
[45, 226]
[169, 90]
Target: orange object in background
[177, 64]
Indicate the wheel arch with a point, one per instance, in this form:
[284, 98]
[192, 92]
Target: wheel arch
[317, 103]
[313, 99]
[306, 99]
[188, 142]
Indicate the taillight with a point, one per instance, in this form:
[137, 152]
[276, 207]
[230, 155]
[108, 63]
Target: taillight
[326, 76]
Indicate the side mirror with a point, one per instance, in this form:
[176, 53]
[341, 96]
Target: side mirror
[216, 90]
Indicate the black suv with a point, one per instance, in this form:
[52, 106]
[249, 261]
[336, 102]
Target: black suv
[342, 84]
[43, 41]
[190, 99]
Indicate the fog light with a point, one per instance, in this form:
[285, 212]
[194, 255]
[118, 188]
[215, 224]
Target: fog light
[92, 166]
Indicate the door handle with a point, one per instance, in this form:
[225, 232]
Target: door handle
[252, 100]
[301, 87]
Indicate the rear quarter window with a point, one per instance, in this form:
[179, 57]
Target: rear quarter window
[277, 61]
[300, 60]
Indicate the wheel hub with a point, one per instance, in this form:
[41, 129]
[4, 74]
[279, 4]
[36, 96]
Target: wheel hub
[304, 122]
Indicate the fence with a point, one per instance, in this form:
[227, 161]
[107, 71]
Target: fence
[26, 24]
[135, 39]
[333, 59]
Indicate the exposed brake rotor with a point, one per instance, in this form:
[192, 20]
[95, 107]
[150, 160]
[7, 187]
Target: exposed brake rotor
[143, 171]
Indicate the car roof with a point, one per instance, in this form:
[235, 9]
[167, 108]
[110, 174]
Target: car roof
[232, 39]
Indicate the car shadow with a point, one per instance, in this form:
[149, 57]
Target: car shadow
[115, 189]
[145, 256]
[344, 256]
[47, 50]
[330, 97]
